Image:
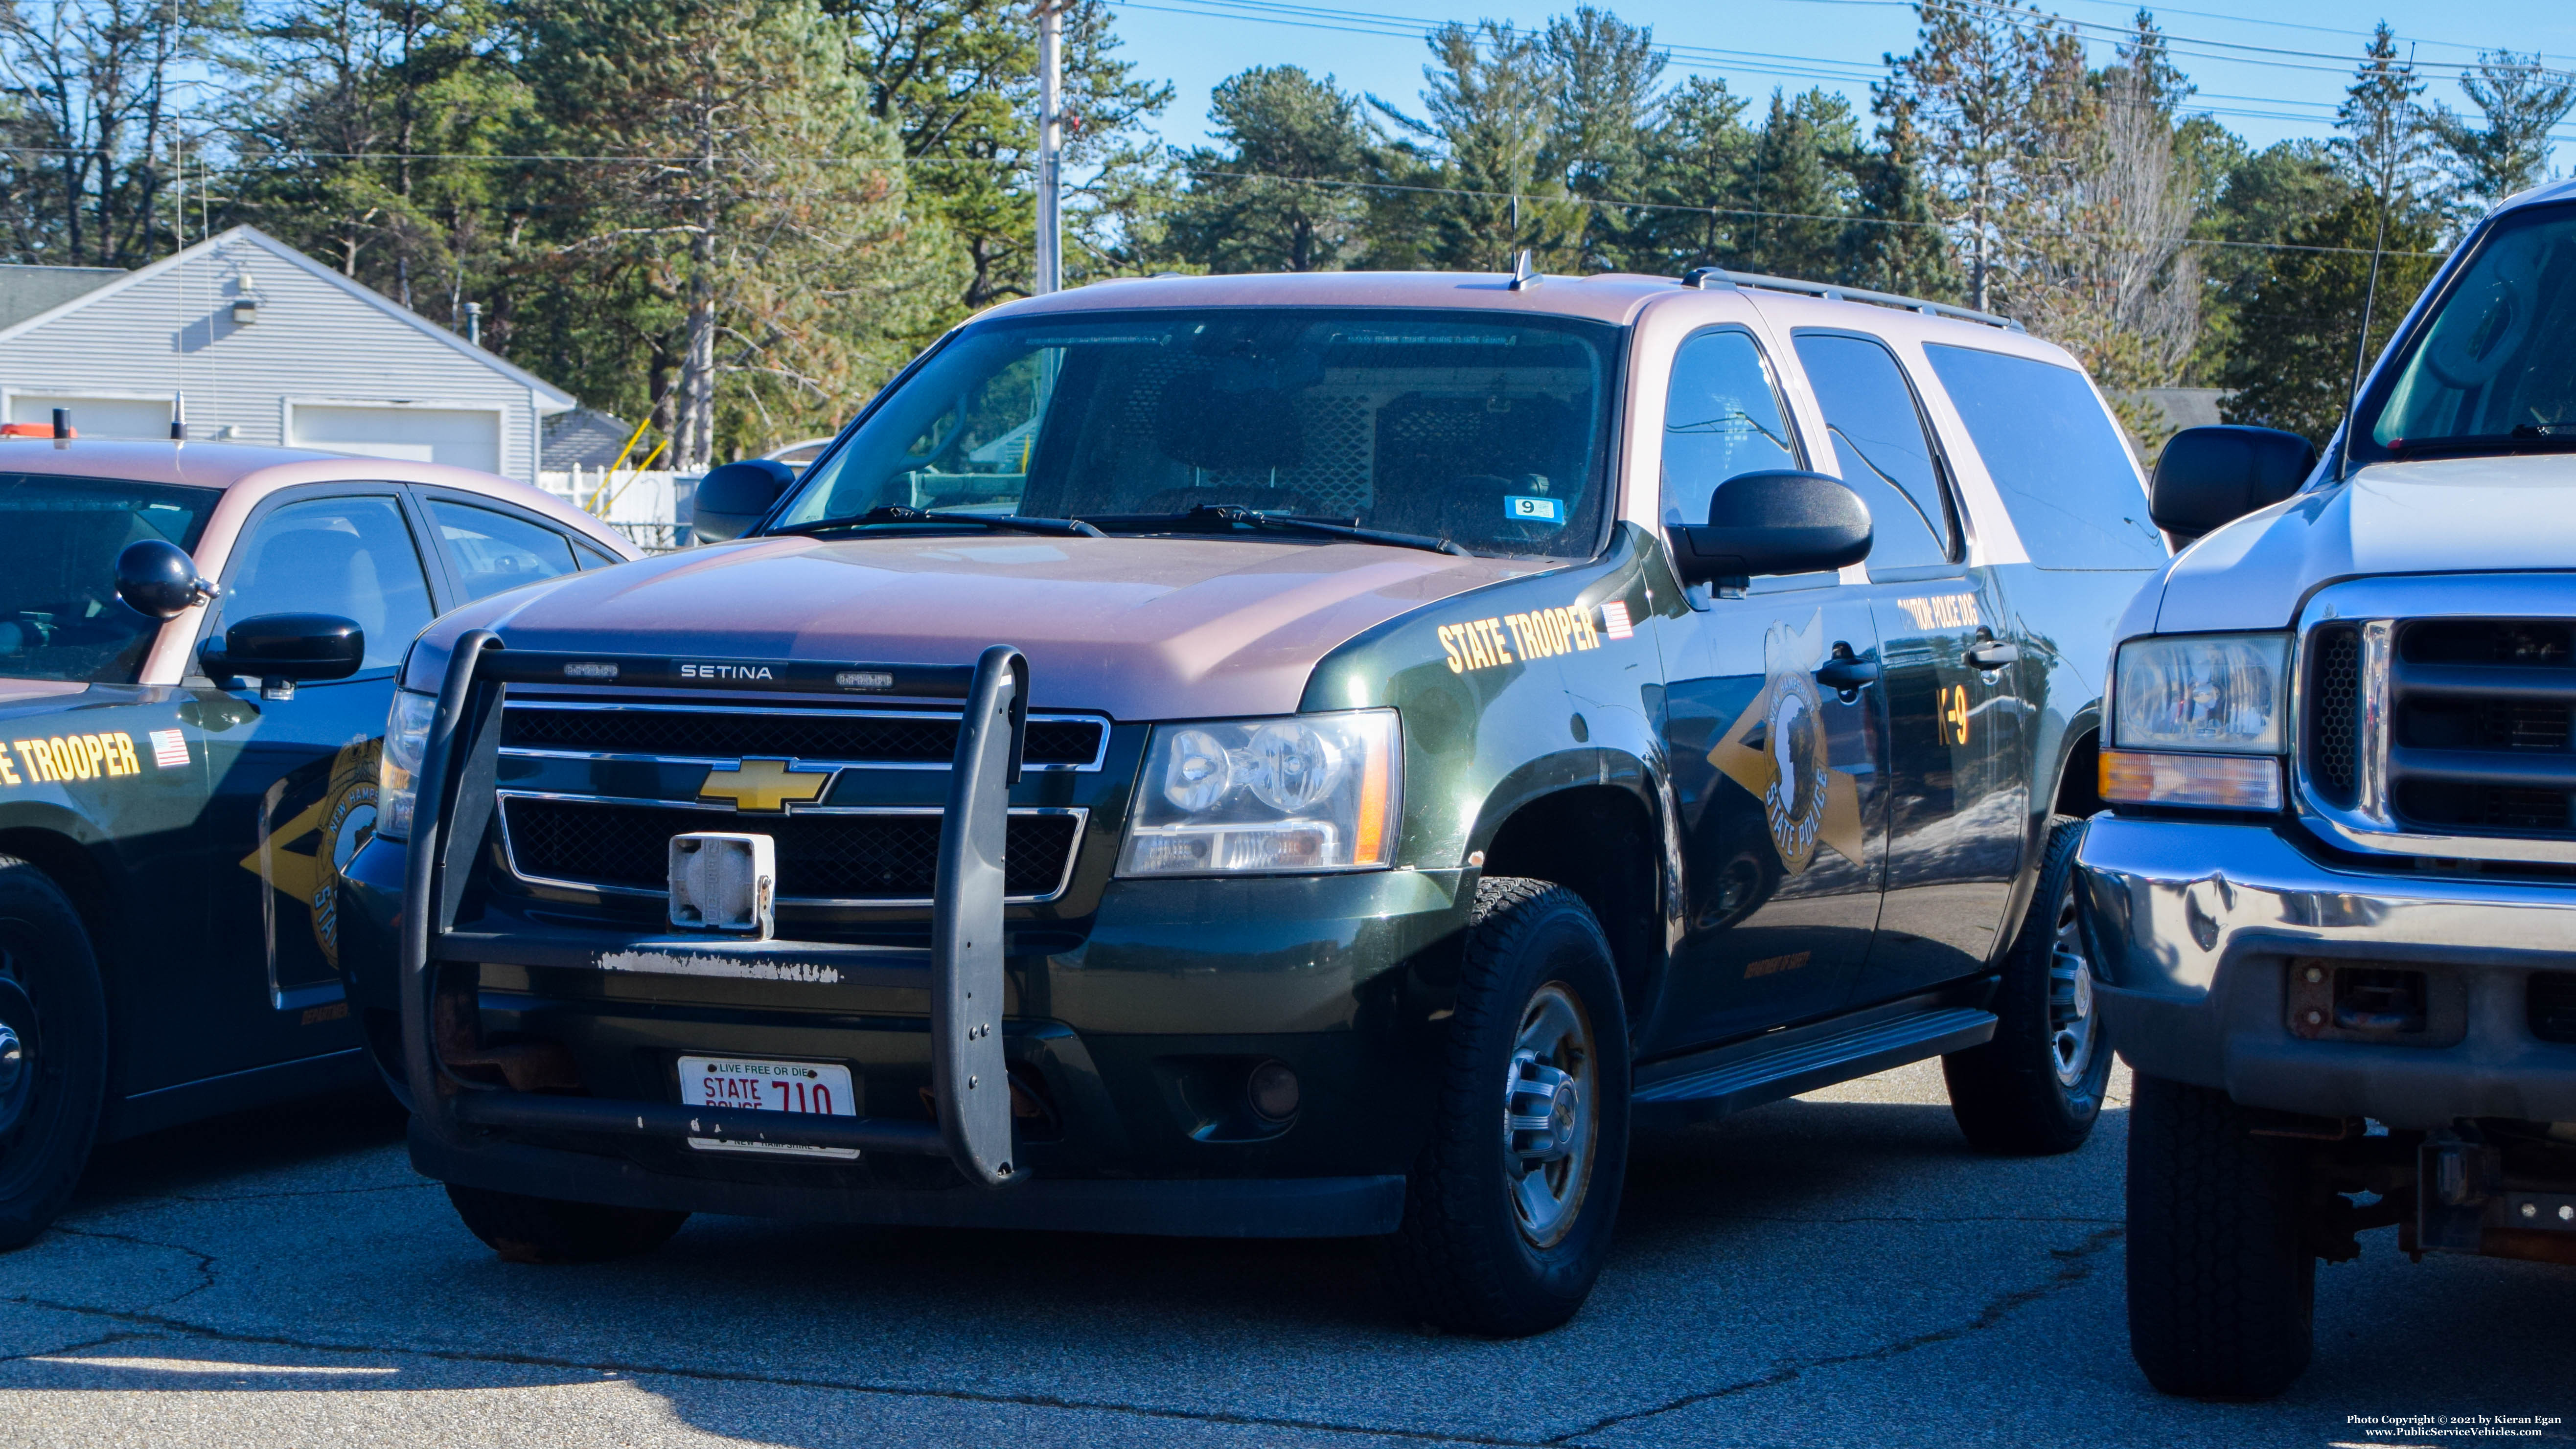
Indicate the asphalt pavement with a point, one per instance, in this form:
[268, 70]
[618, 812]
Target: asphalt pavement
[1837, 1270]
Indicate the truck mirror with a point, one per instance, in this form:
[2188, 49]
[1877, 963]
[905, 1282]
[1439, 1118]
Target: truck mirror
[282, 650]
[2209, 476]
[1782, 522]
[734, 497]
[156, 578]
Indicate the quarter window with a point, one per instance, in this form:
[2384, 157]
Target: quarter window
[491, 551]
[347, 556]
[1722, 418]
[1885, 447]
[2064, 474]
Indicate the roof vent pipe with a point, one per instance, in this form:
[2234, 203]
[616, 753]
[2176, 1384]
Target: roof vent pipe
[178, 417]
[62, 424]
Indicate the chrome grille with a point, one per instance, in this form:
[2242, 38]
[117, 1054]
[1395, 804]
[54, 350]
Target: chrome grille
[918, 739]
[825, 857]
[2438, 716]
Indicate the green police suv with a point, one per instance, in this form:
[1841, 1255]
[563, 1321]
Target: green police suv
[1305, 755]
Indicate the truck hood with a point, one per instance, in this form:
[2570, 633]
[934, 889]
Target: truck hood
[1139, 628]
[31, 696]
[2443, 515]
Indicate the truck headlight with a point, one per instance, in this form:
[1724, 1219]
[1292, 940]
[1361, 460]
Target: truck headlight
[398, 767]
[2199, 719]
[1310, 792]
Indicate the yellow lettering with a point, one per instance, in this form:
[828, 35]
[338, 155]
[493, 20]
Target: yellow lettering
[95, 749]
[35, 761]
[1449, 646]
[8, 771]
[59, 755]
[125, 753]
[1494, 627]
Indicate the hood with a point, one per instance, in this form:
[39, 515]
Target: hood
[2442, 515]
[22, 696]
[1139, 628]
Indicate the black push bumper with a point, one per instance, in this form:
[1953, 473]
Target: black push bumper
[963, 963]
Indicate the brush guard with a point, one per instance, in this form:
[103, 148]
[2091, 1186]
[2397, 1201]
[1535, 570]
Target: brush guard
[458, 775]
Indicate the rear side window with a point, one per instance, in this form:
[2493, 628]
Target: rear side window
[492, 551]
[2060, 465]
[1885, 448]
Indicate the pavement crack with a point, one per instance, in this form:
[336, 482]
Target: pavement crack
[2074, 1265]
[205, 1262]
[140, 1323]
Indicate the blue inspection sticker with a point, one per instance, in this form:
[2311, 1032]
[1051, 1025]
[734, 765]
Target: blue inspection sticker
[1535, 510]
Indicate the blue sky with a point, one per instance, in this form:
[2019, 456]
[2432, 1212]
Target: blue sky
[2268, 78]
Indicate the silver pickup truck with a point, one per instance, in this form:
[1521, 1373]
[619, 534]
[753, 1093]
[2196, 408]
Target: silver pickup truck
[2333, 901]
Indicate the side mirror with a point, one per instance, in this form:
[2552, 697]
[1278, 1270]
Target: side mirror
[283, 650]
[155, 577]
[1781, 522]
[2209, 476]
[734, 497]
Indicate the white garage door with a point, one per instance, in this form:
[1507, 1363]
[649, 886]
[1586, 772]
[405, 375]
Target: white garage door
[96, 417]
[465, 437]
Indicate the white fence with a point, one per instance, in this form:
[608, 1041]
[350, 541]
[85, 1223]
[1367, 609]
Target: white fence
[651, 508]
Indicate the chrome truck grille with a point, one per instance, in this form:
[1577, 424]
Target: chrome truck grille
[828, 855]
[2435, 723]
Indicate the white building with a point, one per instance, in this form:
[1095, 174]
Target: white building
[268, 346]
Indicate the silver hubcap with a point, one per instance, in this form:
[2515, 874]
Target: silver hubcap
[2070, 1002]
[1547, 1116]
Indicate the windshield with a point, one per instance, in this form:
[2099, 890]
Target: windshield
[59, 538]
[2490, 367]
[1484, 431]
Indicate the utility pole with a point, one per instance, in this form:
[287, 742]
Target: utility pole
[1050, 247]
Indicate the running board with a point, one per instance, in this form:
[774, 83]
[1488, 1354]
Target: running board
[1761, 1071]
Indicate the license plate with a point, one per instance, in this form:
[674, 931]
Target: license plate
[820, 1088]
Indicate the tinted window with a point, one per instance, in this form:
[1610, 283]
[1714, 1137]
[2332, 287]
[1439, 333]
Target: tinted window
[2492, 363]
[1722, 417]
[492, 551]
[2055, 457]
[59, 538]
[591, 558]
[1885, 447]
[1484, 430]
[347, 556]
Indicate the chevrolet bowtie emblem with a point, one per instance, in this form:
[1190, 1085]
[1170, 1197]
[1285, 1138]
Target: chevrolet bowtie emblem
[765, 785]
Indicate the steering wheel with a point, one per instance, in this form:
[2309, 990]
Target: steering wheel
[2480, 334]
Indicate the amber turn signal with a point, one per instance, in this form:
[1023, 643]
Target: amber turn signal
[2210, 782]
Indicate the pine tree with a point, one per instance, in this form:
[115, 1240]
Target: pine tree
[1253, 206]
[1607, 105]
[1796, 188]
[2521, 102]
[1490, 107]
[1690, 165]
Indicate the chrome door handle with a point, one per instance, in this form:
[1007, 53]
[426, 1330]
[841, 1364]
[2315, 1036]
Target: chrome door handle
[1843, 673]
[1993, 654]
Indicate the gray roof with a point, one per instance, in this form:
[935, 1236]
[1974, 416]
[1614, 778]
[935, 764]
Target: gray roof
[585, 437]
[26, 291]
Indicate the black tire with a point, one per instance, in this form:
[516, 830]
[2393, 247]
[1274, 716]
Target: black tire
[2030, 1091]
[51, 1001]
[1471, 1256]
[525, 1229]
[2222, 1281]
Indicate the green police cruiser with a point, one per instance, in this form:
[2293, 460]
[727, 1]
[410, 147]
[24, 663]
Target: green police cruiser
[1276, 756]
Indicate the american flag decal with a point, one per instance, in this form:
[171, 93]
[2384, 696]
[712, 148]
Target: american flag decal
[1614, 619]
[169, 749]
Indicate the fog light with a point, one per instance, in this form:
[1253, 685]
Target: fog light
[1273, 1091]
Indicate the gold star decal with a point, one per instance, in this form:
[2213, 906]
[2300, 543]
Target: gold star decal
[1777, 751]
[769, 786]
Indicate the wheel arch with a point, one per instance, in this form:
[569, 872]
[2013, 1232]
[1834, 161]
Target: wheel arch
[1609, 839]
[2068, 784]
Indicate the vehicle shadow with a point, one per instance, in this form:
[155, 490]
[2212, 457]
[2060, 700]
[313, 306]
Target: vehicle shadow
[178, 1161]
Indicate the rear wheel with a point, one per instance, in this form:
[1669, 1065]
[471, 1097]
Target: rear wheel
[525, 1229]
[2037, 1086]
[1507, 1216]
[53, 1050]
[2222, 1281]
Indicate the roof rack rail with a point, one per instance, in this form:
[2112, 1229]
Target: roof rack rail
[1718, 277]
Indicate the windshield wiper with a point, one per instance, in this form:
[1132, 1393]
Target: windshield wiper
[894, 513]
[1230, 514]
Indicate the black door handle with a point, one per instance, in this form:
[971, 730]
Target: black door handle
[1993, 654]
[1843, 673]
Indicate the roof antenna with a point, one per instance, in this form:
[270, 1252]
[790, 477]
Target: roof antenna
[1525, 275]
[178, 417]
[62, 424]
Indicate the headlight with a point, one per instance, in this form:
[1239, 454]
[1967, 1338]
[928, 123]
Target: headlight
[1309, 793]
[2187, 711]
[398, 768]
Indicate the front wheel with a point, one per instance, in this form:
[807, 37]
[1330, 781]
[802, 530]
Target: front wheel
[53, 1050]
[1507, 1216]
[2037, 1086]
[525, 1229]
[2222, 1279]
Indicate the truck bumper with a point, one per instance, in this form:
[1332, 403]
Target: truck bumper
[2205, 933]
